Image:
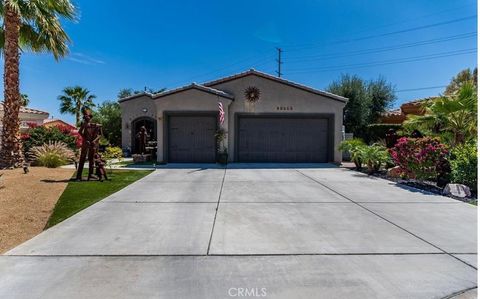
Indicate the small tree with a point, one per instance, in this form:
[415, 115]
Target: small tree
[366, 100]
[464, 76]
[74, 100]
[109, 115]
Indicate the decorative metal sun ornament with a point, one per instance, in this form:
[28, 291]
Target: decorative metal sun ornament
[252, 94]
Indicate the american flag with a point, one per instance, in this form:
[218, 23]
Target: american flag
[221, 113]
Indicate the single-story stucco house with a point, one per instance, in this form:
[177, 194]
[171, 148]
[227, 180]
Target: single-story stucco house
[27, 117]
[266, 119]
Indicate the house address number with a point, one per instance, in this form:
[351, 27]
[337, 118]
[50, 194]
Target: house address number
[284, 108]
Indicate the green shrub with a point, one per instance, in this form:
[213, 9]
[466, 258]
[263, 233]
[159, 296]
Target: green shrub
[463, 162]
[376, 132]
[38, 136]
[353, 147]
[374, 156]
[113, 152]
[52, 155]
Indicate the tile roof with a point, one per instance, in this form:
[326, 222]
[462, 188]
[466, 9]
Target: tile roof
[194, 86]
[277, 79]
[208, 87]
[28, 110]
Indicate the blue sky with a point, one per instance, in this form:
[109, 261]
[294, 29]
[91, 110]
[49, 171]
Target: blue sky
[119, 44]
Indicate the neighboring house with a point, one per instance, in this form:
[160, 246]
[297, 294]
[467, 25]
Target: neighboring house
[288, 122]
[55, 122]
[27, 116]
[398, 116]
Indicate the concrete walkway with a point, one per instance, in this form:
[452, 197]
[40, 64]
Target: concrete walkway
[283, 231]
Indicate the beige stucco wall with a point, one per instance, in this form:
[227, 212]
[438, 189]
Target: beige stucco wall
[191, 100]
[131, 110]
[275, 94]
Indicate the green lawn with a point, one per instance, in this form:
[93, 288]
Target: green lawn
[130, 163]
[79, 195]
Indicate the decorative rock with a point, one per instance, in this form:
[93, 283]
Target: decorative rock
[137, 158]
[395, 172]
[457, 190]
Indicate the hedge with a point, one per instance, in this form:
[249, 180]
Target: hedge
[375, 132]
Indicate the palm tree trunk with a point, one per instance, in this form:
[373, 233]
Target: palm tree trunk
[11, 152]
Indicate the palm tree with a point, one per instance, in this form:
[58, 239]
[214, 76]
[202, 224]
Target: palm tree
[32, 25]
[74, 100]
[455, 115]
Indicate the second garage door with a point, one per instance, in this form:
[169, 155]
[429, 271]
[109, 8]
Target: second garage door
[191, 138]
[283, 139]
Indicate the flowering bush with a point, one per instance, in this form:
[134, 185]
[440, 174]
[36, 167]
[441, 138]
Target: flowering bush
[418, 157]
[39, 135]
[113, 152]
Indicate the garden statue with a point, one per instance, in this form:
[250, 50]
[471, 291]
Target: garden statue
[142, 137]
[100, 167]
[416, 134]
[90, 133]
[391, 138]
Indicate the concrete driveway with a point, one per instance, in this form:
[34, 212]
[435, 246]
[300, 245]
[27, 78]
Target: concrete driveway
[267, 231]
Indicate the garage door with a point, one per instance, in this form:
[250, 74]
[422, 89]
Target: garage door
[191, 139]
[282, 139]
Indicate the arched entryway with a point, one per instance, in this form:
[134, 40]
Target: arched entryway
[150, 125]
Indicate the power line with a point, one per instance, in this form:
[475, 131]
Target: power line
[387, 62]
[375, 28]
[383, 49]
[397, 32]
[421, 88]
[254, 58]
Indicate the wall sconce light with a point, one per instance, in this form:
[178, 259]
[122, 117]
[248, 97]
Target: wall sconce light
[145, 110]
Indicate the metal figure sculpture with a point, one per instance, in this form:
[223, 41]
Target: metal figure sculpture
[100, 167]
[391, 138]
[90, 133]
[142, 137]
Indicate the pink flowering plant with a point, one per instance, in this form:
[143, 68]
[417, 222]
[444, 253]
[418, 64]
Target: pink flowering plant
[418, 157]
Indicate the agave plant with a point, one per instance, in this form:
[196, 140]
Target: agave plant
[373, 156]
[353, 147]
[53, 154]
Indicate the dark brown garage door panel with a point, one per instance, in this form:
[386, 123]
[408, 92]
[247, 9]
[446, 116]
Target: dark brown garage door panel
[285, 139]
[191, 138]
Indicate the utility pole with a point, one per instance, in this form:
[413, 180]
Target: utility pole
[279, 62]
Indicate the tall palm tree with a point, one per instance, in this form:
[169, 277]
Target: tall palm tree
[32, 25]
[74, 100]
[455, 115]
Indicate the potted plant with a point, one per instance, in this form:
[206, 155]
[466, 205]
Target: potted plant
[222, 153]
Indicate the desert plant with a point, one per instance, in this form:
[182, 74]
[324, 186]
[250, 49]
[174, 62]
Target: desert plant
[53, 154]
[463, 162]
[39, 135]
[453, 117]
[33, 25]
[353, 147]
[374, 156]
[418, 157]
